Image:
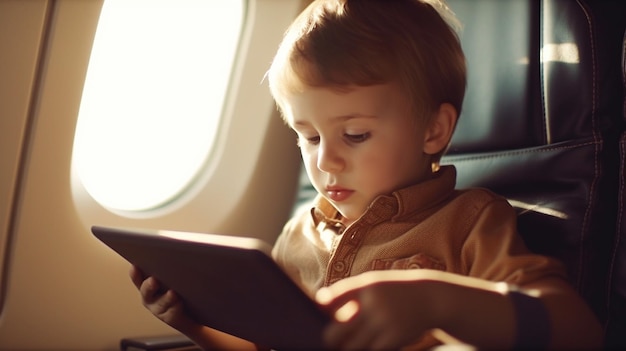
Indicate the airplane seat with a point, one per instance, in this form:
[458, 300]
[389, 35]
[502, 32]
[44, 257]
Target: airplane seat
[617, 282]
[541, 122]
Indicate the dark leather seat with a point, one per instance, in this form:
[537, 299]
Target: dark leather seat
[616, 304]
[541, 125]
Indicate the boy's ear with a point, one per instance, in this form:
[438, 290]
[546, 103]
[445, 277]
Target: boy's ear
[439, 131]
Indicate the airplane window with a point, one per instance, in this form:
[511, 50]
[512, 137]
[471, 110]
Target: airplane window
[152, 98]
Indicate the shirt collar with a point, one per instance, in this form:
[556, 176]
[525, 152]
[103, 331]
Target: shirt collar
[402, 202]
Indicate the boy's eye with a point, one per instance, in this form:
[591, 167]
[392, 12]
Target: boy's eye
[313, 140]
[357, 138]
[308, 140]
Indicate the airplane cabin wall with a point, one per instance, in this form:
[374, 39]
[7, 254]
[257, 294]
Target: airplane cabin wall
[60, 288]
[20, 30]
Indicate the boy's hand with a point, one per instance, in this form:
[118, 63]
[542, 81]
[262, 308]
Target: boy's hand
[167, 306]
[163, 303]
[377, 310]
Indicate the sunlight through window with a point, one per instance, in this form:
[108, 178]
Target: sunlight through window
[153, 98]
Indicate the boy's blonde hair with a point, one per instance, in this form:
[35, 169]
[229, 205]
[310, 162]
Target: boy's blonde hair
[342, 43]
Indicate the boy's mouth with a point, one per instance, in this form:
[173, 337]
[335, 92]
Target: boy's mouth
[338, 194]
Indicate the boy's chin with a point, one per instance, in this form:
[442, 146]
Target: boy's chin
[349, 214]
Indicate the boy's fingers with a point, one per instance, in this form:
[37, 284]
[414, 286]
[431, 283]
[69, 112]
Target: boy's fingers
[136, 276]
[352, 334]
[330, 298]
[164, 303]
[150, 289]
[334, 300]
[347, 289]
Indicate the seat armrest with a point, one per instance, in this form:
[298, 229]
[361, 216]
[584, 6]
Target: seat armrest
[158, 343]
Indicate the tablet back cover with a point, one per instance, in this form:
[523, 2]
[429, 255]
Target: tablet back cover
[236, 288]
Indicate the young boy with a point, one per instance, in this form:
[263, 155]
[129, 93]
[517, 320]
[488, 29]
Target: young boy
[373, 90]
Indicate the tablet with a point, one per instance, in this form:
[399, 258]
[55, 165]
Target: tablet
[228, 283]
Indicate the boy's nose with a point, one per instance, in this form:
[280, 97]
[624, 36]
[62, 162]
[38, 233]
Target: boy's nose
[329, 159]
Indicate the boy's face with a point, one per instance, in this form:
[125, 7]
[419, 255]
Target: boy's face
[359, 144]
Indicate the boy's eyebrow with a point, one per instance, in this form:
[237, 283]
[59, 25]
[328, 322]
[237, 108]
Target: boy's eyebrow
[342, 118]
